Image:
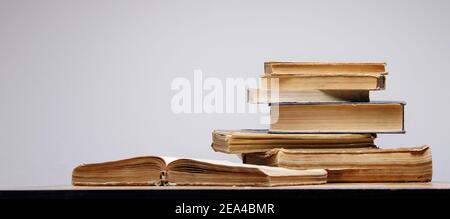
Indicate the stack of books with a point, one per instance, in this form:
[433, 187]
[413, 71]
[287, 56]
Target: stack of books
[322, 118]
[323, 127]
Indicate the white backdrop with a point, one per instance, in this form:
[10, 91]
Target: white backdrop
[87, 81]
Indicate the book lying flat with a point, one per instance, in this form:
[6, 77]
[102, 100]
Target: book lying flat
[322, 68]
[152, 170]
[322, 82]
[259, 140]
[294, 76]
[342, 117]
[278, 96]
[354, 165]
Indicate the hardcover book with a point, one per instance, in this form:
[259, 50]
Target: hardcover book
[260, 140]
[324, 68]
[258, 96]
[295, 76]
[354, 165]
[342, 117]
[322, 82]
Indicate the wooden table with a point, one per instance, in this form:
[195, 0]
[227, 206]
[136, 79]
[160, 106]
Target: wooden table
[330, 190]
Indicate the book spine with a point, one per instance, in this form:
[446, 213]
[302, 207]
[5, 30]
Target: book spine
[163, 178]
[267, 68]
[381, 85]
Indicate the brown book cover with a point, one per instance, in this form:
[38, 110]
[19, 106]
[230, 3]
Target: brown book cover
[298, 76]
[155, 170]
[258, 96]
[324, 68]
[354, 165]
[322, 82]
[337, 117]
[260, 140]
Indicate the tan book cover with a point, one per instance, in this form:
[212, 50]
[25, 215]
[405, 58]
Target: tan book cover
[154, 170]
[260, 140]
[325, 68]
[298, 76]
[259, 96]
[337, 117]
[322, 82]
[354, 165]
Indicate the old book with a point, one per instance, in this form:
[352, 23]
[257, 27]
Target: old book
[259, 140]
[152, 170]
[322, 82]
[325, 68]
[279, 96]
[294, 76]
[354, 165]
[343, 117]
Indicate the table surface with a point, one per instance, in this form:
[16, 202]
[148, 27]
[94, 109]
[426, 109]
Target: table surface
[330, 190]
[328, 186]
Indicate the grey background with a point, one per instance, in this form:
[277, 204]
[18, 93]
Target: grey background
[87, 81]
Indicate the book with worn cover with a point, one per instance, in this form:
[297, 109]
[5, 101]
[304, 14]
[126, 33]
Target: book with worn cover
[322, 82]
[323, 68]
[298, 76]
[337, 117]
[279, 96]
[354, 165]
[260, 140]
[153, 170]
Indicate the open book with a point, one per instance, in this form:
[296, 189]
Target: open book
[152, 170]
